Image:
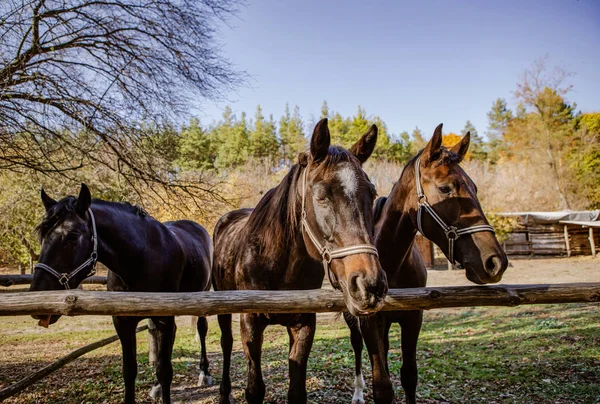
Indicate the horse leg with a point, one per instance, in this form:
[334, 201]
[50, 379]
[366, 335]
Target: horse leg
[386, 345]
[205, 379]
[153, 348]
[373, 330]
[152, 343]
[226, 347]
[252, 327]
[301, 339]
[357, 346]
[166, 330]
[125, 327]
[411, 327]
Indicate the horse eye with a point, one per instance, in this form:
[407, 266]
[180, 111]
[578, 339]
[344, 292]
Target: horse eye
[321, 198]
[320, 195]
[73, 237]
[445, 189]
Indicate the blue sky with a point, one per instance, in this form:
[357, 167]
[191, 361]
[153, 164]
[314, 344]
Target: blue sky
[414, 63]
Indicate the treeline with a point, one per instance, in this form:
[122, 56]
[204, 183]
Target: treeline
[540, 154]
[233, 140]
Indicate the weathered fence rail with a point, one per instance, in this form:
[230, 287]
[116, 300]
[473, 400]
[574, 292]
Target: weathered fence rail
[10, 280]
[75, 302]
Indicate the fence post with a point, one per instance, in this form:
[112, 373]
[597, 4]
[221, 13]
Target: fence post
[567, 244]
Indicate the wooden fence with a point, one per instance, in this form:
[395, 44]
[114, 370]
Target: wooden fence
[77, 302]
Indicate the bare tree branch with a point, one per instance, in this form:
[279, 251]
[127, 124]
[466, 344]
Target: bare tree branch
[102, 68]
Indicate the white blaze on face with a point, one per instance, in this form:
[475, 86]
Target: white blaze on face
[63, 228]
[347, 177]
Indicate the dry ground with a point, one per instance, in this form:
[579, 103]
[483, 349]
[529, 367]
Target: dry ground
[546, 354]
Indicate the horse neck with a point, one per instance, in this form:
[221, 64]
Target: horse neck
[120, 240]
[276, 221]
[395, 231]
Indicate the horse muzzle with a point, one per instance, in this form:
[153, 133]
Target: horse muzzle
[46, 320]
[366, 294]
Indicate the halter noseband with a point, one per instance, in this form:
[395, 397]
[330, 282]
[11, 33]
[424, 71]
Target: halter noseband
[328, 254]
[452, 232]
[65, 277]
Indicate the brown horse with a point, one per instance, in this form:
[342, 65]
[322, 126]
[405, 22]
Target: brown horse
[317, 220]
[434, 195]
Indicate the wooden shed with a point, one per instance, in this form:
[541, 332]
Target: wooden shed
[562, 233]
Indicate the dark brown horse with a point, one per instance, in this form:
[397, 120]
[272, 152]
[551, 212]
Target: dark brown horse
[143, 255]
[434, 195]
[318, 220]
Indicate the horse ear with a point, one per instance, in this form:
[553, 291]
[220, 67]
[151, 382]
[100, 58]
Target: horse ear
[84, 200]
[432, 150]
[365, 145]
[320, 141]
[461, 147]
[47, 201]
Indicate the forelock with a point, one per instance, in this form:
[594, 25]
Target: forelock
[447, 158]
[55, 215]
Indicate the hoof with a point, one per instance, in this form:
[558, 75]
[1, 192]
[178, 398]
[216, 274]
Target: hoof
[156, 392]
[204, 380]
[228, 400]
[358, 401]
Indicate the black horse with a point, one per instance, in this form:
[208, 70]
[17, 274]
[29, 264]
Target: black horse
[143, 255]
[318, 220]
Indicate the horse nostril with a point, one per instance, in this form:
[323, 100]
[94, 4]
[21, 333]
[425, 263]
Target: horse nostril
[494, 264]
[357, 286]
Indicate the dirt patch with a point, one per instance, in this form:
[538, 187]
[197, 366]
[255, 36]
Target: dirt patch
[530, 271]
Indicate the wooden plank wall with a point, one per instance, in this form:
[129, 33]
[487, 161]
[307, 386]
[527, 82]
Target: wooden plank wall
[549, 239]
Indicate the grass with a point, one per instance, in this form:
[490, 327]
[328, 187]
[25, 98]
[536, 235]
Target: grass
[541, 354]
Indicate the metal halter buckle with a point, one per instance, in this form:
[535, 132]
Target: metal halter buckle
[452, 233]
[64, 279]
[326, 254]
[421, 199]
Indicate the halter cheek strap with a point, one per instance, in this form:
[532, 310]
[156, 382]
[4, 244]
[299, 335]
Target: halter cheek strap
[65, 277]
[328, 254]
[452, 232]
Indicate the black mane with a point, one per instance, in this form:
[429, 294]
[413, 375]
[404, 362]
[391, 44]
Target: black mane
[57, 213]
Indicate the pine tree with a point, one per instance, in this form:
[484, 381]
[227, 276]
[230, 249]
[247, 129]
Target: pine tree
[401, 149]
[476, 147]
[324, 110]
[418, 142]
[196, 150]
[233, 140]
[263, 138]
[291, 135]
[498, 118]
[338, 128]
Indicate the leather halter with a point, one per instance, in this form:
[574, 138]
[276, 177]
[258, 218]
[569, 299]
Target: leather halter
[65, 277]
[328, 254]
[452, 232]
